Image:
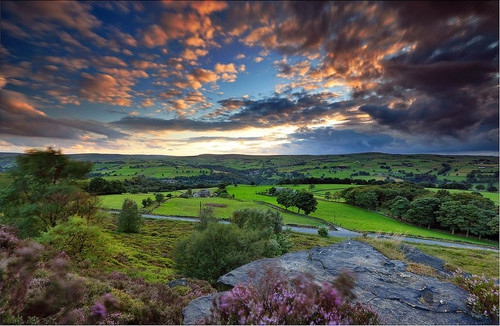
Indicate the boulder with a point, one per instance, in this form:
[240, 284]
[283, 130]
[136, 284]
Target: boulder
[400, 297]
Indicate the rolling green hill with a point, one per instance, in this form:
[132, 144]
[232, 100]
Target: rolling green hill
[271, 169]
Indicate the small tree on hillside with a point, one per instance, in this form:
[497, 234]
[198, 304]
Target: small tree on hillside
[160, 198]
[285, 197]
[129, 219]
[305, 201]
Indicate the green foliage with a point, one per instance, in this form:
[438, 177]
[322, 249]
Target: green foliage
[258, 220]
[129, 219]
[44, 191]
[160, 198]
[305, 201]
[146, 202]
[206, 216]
[214, 249]
[78, 238]
[400, 206]
[323, 232]
[423, 210]
[101, 186]
[285, 197]
[302, 199]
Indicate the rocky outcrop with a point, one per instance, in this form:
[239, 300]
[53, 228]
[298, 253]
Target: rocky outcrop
[400, 297]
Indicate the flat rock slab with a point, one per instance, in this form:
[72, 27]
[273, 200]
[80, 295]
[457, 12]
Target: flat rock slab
[399, 297]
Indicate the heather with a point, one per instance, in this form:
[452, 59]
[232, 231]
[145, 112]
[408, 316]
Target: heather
[278, 299]
[483, 294]
[40, 285]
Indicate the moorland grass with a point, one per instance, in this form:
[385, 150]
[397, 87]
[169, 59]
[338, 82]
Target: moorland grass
[477, 262]
[148, 254]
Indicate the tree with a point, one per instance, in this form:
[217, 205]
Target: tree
[485, 219]
[44, 191]
[423, 211]
[159, 198]
[449, 215]
[129, 219]
[305, 201]
[366, 199]
[258, 219]
[400, 206]
[470, 215]
[214, 249]
[285, 197]
[146, 202]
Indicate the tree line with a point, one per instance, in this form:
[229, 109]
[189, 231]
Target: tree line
[470, 213]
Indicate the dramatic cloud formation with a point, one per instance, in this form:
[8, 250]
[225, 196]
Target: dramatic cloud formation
[299, 77]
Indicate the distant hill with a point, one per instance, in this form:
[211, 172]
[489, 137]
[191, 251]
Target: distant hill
[271, 169]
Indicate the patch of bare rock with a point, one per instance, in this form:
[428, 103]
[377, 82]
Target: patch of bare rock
[400, 297]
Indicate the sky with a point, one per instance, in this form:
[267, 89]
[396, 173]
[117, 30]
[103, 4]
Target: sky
[259, 78]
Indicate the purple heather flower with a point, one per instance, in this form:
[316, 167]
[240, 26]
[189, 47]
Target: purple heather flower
[98, 311]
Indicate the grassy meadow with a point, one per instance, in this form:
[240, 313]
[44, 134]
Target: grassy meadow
[246, 196]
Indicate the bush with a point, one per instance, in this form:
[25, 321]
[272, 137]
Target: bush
[483, 298]
[77, 238]
[323, 232]
[276, 299]
[214, 249]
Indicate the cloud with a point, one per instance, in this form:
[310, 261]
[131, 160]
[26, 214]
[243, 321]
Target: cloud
[147, 102]
[105, 89]
[201, 76]
[331, 141]
[207, 7]
[18, 117]
[154, 36]
[45, 16]
[192, 55]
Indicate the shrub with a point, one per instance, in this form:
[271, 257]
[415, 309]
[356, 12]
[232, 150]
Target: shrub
[277, 299]
[215, 251]
[323, 232]
[77, 238]
[483, 298]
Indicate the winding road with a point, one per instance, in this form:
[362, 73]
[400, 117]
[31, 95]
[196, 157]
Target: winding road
[344, 233]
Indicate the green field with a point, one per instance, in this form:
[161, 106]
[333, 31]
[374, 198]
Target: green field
[341, 214]
[493, 196]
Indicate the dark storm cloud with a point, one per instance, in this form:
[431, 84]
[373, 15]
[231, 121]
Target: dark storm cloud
[441, 76]
[330, 140]
[299, 108]
[434, 63]
[453, 116]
